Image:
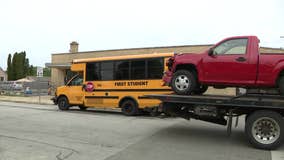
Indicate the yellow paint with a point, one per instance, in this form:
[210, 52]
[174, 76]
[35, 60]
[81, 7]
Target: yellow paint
[108, 94]
[78, 67]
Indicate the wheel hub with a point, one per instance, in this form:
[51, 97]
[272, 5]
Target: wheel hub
[182, 82]
[266, 130]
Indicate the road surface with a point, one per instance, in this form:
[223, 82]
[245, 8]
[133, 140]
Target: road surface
[42, 132]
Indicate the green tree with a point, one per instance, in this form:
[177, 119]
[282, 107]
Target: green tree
[9, 67]
[32, 71]
[46, 72]
[18, 67]
[14, 66]
[26, 67]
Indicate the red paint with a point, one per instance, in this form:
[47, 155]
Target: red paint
[256, 70]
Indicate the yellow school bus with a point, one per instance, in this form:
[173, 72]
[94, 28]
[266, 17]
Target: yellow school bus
[115, 82]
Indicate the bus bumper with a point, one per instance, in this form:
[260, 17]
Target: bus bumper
[54, 100]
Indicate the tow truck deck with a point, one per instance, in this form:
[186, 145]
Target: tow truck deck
[249, 100]
[264, 124]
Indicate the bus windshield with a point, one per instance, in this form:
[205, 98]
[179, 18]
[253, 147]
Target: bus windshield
[76, 80]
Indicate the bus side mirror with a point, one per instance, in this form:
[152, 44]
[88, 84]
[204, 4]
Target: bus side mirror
[65, 81]
[211, 51]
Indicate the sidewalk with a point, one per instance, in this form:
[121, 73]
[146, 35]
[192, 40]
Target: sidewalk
[28, 99]
[46, 99]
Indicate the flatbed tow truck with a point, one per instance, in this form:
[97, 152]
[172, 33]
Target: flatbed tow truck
[264, 114]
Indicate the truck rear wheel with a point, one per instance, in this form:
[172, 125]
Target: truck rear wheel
[129, 108]
[63, 103]
[184, 82]
[264, 129]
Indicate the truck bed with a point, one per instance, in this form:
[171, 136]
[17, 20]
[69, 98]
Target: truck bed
[251, 100]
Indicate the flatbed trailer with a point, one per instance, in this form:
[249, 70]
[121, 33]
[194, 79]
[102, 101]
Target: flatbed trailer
[264, 121]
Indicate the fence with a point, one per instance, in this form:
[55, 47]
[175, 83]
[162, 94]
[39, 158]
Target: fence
[40, 86]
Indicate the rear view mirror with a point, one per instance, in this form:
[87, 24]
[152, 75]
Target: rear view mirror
[65, 81]
[211, 52]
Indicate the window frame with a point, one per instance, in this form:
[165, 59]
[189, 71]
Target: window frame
[224, 54]
[130, 61]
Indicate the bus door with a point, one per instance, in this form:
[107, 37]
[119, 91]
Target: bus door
[75, 90]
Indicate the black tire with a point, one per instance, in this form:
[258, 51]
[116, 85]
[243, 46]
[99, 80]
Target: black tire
[200, 89]
[281, 85]
[63, 103]
[82, 107]
[129, 108]
[183, 82]
[264, 129]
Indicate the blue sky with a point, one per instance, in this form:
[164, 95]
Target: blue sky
[43, 27]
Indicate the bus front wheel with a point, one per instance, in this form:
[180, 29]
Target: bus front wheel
[63, 103]
[129, 108]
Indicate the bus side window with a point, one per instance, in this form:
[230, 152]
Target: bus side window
[92, 71]
[121, 70]
[138, 69]
[155, 68]
[106, 70]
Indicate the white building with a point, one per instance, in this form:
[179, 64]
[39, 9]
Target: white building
[3, 75]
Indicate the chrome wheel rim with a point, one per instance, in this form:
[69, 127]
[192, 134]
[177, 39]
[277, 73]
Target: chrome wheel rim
[265, 130]
[182, 82]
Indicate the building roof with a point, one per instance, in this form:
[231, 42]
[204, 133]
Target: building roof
[143, 48]
[280, 50]
[58, 65]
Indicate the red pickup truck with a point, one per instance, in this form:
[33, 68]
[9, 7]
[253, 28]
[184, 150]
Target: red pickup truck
[233, 62]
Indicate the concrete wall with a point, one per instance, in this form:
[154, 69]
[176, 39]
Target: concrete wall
[57, 77]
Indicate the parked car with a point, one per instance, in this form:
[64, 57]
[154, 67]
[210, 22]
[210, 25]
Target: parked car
[17, 86]
[233, 62]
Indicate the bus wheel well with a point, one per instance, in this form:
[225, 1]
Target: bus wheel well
[61, 96]
[125, 99]
[189, 67]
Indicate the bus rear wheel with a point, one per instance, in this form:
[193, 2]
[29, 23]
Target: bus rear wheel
[129, 108]
[63, 103]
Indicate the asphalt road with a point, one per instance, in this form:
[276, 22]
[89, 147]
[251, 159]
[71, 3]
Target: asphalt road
[41, 132]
